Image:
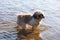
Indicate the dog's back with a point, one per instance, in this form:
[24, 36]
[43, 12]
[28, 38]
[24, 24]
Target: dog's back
[23, 20]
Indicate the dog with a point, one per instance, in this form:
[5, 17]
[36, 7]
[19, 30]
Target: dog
[27, 25]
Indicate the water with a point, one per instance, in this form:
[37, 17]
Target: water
[9, 9]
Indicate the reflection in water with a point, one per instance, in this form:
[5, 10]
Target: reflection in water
[7, 33]
[24, 35]
[30, 35]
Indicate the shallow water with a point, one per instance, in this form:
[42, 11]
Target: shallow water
[9, 9]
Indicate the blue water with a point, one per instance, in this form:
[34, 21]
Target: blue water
[9, 9]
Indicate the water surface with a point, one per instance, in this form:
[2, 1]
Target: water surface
[9, 9]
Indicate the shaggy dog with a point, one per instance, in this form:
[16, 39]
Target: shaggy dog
[27, 26]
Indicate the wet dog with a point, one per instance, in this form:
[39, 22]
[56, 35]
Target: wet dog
[27, 25]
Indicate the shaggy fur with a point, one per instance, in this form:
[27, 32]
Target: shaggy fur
[27, 25]
[33, 20]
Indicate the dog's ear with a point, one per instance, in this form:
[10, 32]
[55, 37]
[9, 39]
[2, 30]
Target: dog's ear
[35, 15]
[38, 15]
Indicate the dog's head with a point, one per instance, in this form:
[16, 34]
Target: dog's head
[38, 15]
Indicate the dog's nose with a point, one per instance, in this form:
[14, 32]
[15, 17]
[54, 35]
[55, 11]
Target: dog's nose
[41, 16]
